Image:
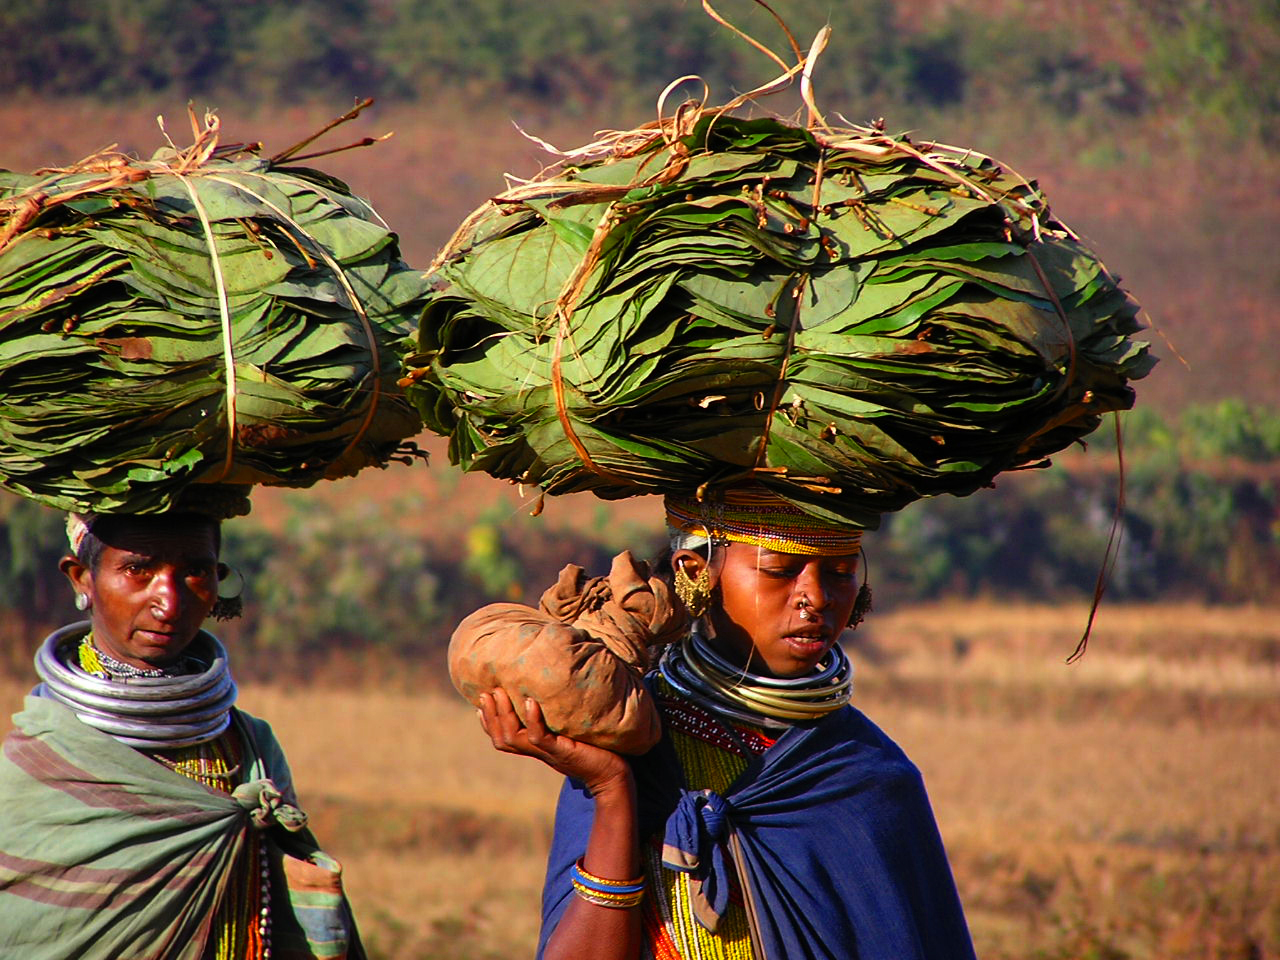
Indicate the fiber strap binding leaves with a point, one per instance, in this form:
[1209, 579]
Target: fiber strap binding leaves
[854, 320]
[205, 319]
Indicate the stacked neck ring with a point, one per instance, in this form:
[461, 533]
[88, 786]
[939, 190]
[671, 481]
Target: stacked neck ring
[695, 670]
[149, 713]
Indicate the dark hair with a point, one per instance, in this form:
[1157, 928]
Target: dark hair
[105, 527]
[660, 566]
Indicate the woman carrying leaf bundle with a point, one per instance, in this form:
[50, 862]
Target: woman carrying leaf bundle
[771, 819]
[174, 331]
[787, 332]
[144, 814]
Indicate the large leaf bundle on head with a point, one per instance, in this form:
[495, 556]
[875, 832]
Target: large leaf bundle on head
[207, 317]
[853, 320]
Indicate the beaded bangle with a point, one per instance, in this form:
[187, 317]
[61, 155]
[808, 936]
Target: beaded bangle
[617, 894]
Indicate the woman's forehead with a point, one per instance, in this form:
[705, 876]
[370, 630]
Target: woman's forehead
[193, 541]
[753, 553]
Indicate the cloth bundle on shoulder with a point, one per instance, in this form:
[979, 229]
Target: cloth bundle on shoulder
[849, 318]
[581, 655]
[204, 317]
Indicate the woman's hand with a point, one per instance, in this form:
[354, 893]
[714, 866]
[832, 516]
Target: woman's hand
[596, 767]
[585, 929]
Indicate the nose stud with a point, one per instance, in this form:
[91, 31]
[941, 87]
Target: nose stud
[805, 613]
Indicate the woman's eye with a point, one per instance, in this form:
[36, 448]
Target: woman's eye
[781, 573]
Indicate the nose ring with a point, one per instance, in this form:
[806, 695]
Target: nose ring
[805, 614]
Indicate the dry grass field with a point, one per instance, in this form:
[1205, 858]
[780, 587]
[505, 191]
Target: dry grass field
[1123, 808]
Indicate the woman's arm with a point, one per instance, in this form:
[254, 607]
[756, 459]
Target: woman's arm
[586, 929]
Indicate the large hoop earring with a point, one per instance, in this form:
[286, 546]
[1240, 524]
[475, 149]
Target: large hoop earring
[694, 594]
[229, 606]
[862, 602]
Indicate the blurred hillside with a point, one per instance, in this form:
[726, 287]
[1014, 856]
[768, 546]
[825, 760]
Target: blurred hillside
[1152, 126]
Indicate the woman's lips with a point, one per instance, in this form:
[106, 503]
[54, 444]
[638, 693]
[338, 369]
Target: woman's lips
[812, 632]
[808, 642]
[155, 637]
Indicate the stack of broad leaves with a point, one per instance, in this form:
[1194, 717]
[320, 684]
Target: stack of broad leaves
[850, 319]
[207, 317]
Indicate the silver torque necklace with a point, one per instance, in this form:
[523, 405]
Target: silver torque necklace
[695, 670]
[146, 712]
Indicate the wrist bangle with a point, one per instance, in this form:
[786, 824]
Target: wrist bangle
[619, 901]
[615, 894]
[601, 885]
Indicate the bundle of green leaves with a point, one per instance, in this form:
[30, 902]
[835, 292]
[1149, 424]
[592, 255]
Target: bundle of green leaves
[204, 320]
[848, 318]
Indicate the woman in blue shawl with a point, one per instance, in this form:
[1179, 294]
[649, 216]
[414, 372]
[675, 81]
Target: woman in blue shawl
[772, 821]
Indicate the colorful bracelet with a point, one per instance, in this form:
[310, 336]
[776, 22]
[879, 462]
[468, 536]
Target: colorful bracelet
[618, 894]
[619, 902]
[601, 885]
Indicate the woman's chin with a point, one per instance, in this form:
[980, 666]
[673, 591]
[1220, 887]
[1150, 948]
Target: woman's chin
[795, 657]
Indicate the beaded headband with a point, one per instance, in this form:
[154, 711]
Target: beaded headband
[77, 527]
[756, 516]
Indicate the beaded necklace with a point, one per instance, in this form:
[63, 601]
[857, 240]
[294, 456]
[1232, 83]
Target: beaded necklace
[99, 663]
[713, 752]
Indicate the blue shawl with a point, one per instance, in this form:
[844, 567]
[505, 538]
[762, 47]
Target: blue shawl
[832, 836]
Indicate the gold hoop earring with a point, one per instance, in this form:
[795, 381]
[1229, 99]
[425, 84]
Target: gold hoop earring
[694, 594]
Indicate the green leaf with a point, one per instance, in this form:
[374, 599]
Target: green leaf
[115, 385]
[846, 311]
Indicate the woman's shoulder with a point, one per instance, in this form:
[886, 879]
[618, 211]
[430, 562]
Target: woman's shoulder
[256, 735]
[256, 726]
[849, 736]
[857, 725]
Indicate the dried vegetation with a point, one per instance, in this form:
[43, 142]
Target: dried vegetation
[1122, 808]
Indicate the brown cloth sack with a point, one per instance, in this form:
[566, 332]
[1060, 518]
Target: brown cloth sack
[581, 654]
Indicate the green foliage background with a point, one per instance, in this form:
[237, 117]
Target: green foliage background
[1217, 62]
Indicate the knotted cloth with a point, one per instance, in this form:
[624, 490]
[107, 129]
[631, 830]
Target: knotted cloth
[581, 655]
[830, 835]
[105, 853]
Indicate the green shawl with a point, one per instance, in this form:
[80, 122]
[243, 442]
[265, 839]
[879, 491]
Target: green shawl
[105, 853]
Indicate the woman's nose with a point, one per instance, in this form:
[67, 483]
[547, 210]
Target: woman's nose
[166, 594]
[809, 584]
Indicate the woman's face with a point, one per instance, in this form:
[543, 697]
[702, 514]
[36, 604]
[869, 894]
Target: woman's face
[150, 592]
[757, 622]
